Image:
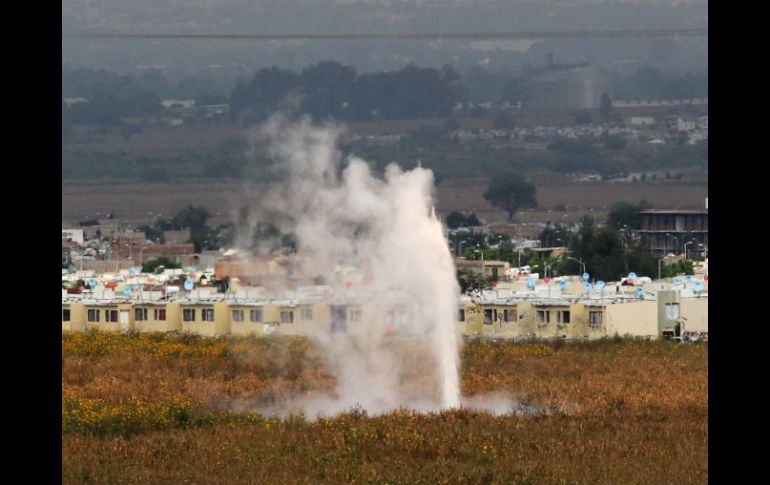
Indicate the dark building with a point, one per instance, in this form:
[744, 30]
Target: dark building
[667, 231]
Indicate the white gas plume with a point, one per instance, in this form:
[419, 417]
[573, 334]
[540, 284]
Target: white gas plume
[384, 226]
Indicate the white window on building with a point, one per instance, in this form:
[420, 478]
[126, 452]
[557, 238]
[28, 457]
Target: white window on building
[672, 311]
[207, 314]
[256, 315]
[188, 314]
[595, 320]
[160, 314]
[237, 315]
[93, 315]
[140, 314]
[355, 314]
[543, 316]
[562, 316]
[307, 312]
[65, 315]
[490, 315]
[287, 316]
[509, 315]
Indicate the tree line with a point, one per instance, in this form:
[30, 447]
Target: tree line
[332, 90]
[329, 89]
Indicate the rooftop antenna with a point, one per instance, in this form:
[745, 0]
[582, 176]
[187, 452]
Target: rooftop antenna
[600, 284]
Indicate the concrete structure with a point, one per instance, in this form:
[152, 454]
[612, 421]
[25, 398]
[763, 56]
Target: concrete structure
[668, 230]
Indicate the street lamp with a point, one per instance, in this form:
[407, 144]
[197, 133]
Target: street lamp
[676, 242]
[483, 273]
[625, 245]
[659, 261]
[578, 261]
[685, 248]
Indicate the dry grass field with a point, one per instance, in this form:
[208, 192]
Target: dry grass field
[136, 201]
[156, 409]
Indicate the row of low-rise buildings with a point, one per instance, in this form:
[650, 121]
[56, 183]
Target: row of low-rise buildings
[546, 311]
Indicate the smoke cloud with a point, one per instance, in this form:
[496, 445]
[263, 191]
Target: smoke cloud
[377, 243]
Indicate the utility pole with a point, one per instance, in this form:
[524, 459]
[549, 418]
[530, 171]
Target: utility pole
[659, 261]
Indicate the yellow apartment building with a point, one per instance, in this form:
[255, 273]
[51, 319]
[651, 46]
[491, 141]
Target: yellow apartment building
[491, 314]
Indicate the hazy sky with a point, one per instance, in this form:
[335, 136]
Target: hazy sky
[370, 16]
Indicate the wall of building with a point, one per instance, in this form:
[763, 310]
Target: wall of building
[696, 314]
[247, 327]
[77, 317]
[170, 324]
[106, 326]
[219, 326]
[637, 318]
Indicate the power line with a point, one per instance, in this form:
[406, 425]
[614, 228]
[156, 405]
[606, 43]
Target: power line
[399, 36]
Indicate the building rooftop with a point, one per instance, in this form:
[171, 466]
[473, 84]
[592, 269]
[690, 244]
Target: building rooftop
[676, 211]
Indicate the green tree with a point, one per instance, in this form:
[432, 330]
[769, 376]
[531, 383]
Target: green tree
[554, 235]
[609, 255]
[157, 265]
[472, 280]
[458, 219]
[681, 267]
[193, 218]
[626, 214]
[510, 192]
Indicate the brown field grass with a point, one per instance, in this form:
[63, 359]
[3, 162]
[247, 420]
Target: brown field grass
[135, 201]
[154, 410]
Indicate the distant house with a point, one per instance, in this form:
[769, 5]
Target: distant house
[491, 269]
[105, 229]
[180, 103]
[70, 101]
[684, 125]
[214, 110]
[131, 238]
[74, 235]
[642, 121]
